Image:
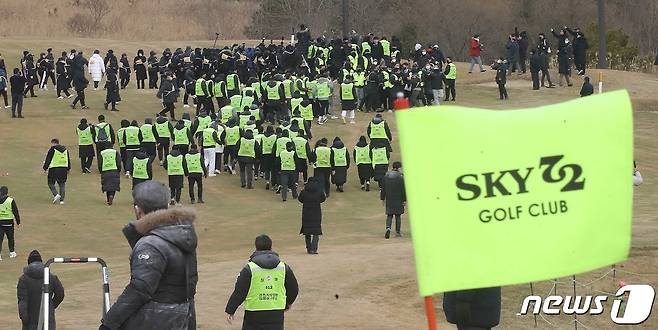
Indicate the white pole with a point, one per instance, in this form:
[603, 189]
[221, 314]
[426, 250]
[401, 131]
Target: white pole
[600, 82]
[46, 298]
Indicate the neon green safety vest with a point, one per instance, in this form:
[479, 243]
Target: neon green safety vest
[198, 87]
[340, 156]
[359, 79]
[247, 89]
[281, 144]
[247, 148]
[244, 119]
[106, 128]
[306, 111]
[247, 101]
[226, 112]
[268, 144]
[292, 134]
[60, 159]
[379, 157]
[140, 170]
[310, 86]
[300, 146]
[255, 113]
[300, 84]
[287, 160]
[294, 103]
[387, 79]
[219, 88]
[109, 160]
[300, 123]
[187, 123]
[287, 88]
[231, 83]
[346, 92]
[6, 213]
[232, 135]
[322, 157]
[362, 155]
[122, 141]
[132, 136]
[452, 74]
[251, 128]
[365, 46]
[267, 291]
[378, 131]
[256, 87]
[323, 90]
[386, 46]
[209, 87]
[163, 129]
[273, 92]
[204, 122]
[236, 101]
[208, 140]
[193, 162]
[147, 133]
[181, 136]
[175, 165]
[84, 136]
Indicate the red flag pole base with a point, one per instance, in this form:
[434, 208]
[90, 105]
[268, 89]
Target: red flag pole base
[429, 310]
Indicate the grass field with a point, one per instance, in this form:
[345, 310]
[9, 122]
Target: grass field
[358, 281]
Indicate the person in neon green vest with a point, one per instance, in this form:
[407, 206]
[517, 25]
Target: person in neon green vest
[109, 165]
[182, 137]
[393, 195]
[268, 141]
[348, 100]
[86, 134]
[193, 166]
[58, 165]
[340, 163]
[9, 216]
[363, 161]
[164, 131]
[303, 150]
[142, 168]
[378, 131]
[122, 142]
[248, 151]
[324, 91]
[175, 172]
[230, 138]
[288, 164]
[451, 77]
[380, 160]
[321, 160]
[149, 138]
[265, 276]
[132, 136]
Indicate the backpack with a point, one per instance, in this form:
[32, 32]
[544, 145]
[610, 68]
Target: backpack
[102, 135]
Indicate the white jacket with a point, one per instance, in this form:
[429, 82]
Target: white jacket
[96, 67]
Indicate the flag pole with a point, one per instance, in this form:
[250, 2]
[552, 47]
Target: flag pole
[429, 310]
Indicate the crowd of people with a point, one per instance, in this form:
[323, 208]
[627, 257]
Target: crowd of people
[256, 108]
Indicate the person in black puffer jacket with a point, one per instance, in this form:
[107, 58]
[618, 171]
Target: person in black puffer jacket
[476, 309]
[311, 198]
[30, 286]
[163, 266]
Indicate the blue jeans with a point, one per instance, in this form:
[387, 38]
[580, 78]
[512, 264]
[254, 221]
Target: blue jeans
[475, 60]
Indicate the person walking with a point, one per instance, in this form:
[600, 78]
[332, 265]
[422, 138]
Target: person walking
[288, 159]
[380, 160]
[195, 172]
[132, 138]
[393, 196]
[450, 74]
[175, 172]
[142, 168]
[267, 156]
[96, 68]
[209, 141]
[80, 83]
[17, 82]
[340, 163]
[139, 64]
[322, 165]
[169, 95]
[501, 68]
[57, 165]
[163, 266]
[104, 137]
[580, 47]
[10, 219]
[535, 67]
[112, 90]
[29, 292]
[248, 151]
[474, 52]
[86, 134]
[109, 165]
[3, 86]
[148, 141]
[363, 160]
[163, 132]
[311, 198]
[267, 286]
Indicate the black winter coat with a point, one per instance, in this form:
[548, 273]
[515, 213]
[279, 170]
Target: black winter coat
[29, 295]
[312, 198]
[473, 308]
[163, 274]
[262, 320]
[393, 192]
[501, 72]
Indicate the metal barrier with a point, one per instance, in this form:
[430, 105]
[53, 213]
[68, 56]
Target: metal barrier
[44, 311]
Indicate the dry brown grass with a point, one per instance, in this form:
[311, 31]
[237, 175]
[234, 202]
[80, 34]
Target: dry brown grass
[131, 19]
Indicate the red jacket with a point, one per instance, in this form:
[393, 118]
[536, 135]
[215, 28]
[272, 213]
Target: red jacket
[475, 48]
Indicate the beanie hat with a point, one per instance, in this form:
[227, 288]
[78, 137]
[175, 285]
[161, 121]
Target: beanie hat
[34, 256]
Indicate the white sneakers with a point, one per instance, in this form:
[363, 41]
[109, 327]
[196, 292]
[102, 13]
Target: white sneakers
[218, 172]
[56, 199]
[352, 121]
[127, 173]
[61, 203]
[60, 97]
[186, 105]
[12, 254]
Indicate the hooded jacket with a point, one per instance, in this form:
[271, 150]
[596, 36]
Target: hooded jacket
[29, 290]
[51, 152]
[271, 320]
[163, 274]
[393, 193]
[14, 209]
[257, 148]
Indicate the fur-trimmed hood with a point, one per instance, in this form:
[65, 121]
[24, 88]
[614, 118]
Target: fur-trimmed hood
[174, 225]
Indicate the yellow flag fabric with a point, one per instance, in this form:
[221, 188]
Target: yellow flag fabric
[506, 197]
